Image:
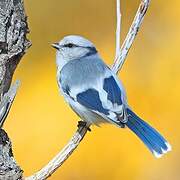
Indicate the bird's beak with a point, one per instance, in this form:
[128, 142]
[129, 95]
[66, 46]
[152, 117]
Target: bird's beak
[55, 45]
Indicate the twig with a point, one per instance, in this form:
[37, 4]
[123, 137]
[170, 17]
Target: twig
[131, 35]
[8, 168]
[118, 28]
[6, 102]
[59, 159]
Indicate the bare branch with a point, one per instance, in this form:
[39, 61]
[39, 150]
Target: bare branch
[13, 45]
[6, 102]
[118, 28]
[131, 35]
[63, 155]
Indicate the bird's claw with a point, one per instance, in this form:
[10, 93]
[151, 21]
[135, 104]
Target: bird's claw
[122, 125]
[83, 124]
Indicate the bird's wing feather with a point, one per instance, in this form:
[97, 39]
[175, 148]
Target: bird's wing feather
[102, 94]
[106, 101]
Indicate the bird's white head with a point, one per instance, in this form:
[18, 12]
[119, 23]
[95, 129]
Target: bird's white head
[73, 47]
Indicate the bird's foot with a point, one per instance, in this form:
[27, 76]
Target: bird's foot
[83, 124]
[122, 125]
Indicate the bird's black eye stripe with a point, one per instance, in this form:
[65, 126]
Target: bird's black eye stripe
[70, 45]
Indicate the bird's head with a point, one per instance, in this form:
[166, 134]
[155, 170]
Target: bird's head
[73, 47]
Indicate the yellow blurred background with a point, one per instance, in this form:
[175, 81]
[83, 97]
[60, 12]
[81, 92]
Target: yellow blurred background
[40, 123]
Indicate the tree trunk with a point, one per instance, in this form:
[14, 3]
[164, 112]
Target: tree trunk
[13, 45]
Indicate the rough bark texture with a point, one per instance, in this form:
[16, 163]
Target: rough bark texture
[13, 42]
[9, 170]
[13, 45]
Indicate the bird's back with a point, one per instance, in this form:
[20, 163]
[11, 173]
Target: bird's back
[82, 71]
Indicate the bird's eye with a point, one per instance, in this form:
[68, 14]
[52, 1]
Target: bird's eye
[70, 45]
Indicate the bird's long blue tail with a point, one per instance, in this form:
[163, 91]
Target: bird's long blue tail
[150, 137]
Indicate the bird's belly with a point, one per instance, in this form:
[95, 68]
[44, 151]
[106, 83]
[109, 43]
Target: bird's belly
[85, 114]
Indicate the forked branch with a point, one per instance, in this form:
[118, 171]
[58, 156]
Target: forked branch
[121, 55]
[118, 29]
[13, 45]
[133, 30]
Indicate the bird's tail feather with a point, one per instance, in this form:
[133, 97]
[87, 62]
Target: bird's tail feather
[150, 137]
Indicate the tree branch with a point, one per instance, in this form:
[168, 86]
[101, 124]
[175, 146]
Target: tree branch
[121, 54]
[6, 102]
[13, 45]
[61, 157]
[131, 35]
[118, 29]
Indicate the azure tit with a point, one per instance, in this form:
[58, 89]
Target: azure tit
[96, 94]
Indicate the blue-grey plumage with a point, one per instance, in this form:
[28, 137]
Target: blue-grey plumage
[96, 94]
[94, 87]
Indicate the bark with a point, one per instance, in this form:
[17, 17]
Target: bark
[13, 45]
[13, 41]
[9, 170]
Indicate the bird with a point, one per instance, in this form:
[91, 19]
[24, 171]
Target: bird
[96, 94]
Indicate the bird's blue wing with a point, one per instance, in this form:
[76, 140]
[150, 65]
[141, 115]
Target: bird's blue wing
[91, 100]
[97, 89]
[106, 101]
[96, 99]
[113, 90]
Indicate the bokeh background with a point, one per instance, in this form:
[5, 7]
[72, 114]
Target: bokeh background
[40, 123]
